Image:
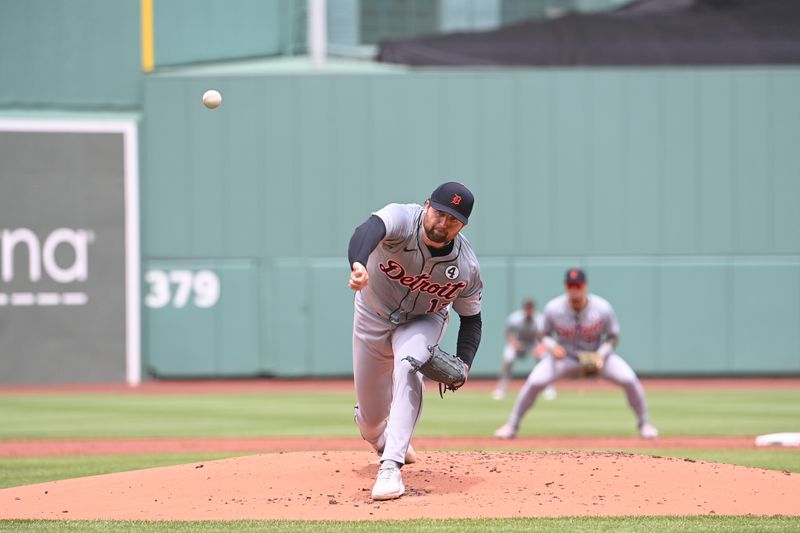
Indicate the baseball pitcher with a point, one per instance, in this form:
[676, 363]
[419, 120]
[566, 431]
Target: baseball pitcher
[409, 265]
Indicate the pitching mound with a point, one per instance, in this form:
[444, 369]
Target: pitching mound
[337, 485]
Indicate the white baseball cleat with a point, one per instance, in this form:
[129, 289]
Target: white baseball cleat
[549, 393]
[506, 431]
[498, 394]
[389, 483]
[648, 431]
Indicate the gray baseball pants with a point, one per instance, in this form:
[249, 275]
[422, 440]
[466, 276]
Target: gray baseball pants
[388, 394]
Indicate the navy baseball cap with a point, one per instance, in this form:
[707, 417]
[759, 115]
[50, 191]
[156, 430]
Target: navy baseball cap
[575, 275]
[453, 198]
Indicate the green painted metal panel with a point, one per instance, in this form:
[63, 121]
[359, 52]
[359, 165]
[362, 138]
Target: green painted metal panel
[752, 177]
[243, 169]
[280, 195]
[694, 301]
[170, 353]
[316, 189]
[493, 183]
[715, 161]
[640, 199]
[165, 226]
[80, 54]
[570, 193]
[188, 331]
[784, 160]
[289, 337]
[677, 184]
[238, 337]
[190, 31]
[535, 214]
[267, 320]
[606, 179]
[331, 330]
[765, 321]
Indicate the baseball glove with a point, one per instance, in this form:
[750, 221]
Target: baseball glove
[448, 370]
[591, 362]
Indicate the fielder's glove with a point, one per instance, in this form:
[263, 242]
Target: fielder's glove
[448, 370]
[591, 362]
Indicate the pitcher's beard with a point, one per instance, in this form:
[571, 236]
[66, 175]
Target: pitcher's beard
[437, 237]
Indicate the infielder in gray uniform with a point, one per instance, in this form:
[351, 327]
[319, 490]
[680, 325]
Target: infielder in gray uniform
[409, 265]
[522, 340]
[581, 322]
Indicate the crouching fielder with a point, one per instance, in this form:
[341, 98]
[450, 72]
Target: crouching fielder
[577, 322]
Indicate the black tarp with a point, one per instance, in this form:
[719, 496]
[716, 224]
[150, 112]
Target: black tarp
[646, 32]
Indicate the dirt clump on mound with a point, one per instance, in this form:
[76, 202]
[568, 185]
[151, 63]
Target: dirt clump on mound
[336, 486]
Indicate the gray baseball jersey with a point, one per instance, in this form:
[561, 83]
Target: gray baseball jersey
[524, 330]
[582, 331]
[406, 282]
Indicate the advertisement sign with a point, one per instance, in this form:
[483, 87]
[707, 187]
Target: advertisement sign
[69, 252]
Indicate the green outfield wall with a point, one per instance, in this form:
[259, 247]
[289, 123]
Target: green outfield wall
[675, 188]
[76, 54]
[194, 31]
[87, 54]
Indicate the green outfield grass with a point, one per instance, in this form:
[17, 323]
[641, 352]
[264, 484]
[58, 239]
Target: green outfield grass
[464, 413]
[15, 471]
[694, 524]
[313, 414]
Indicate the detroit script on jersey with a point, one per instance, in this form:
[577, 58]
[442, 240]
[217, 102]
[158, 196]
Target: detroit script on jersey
[583, 331]
[420, 282]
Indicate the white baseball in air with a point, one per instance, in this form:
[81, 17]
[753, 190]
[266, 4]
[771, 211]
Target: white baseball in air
[212, 99]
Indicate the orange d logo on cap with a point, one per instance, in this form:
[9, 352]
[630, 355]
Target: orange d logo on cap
[575, 275]
[453, 198]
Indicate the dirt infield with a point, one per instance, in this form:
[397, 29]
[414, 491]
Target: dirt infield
[336, 486]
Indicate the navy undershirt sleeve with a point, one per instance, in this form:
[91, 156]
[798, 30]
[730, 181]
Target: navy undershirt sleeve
[469, 337]
[365, 239]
